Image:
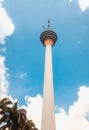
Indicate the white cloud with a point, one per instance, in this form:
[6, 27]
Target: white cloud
[34, 107]
[6, 25]
[3, 80]
[6, 29]
[76, 119]
[22, 75]
[3, 49]
[84, 4]
[70, 0]
[1, 0]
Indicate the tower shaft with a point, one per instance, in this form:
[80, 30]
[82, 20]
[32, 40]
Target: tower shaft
[48, 116]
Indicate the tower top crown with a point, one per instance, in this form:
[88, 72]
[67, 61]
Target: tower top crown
[48, 36]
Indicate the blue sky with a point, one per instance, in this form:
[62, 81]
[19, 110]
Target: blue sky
[22, 57]
[25, 53]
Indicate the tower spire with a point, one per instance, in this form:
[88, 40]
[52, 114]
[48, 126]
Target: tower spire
[48, 23]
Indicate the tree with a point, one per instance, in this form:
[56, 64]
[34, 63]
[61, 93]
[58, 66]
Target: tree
[13, 118]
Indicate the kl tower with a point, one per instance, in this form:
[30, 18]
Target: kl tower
[48, 38]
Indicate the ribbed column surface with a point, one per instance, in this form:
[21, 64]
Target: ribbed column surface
[48, 116]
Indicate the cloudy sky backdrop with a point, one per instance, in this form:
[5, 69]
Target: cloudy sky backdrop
[22, 58]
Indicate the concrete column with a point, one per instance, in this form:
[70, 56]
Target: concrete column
[48, 116]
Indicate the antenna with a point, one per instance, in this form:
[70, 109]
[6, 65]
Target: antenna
[48, 23]
[44, 28]
[48, 26]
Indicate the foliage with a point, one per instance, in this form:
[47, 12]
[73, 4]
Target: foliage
[13, 118]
